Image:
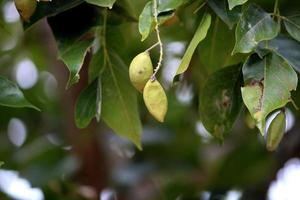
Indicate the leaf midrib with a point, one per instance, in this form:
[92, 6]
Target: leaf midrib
[120, 96]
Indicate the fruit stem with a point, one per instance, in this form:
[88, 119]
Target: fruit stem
[155, 13]
[152, 47]
[275, 7]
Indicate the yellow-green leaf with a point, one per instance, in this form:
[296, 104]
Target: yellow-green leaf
[276, 131]
[200, 34]
[268, 85]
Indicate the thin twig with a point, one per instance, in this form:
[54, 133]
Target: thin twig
[199, 8]
[294, 104]
[155, 13]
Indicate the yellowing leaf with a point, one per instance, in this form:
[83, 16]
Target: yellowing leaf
[268, 86]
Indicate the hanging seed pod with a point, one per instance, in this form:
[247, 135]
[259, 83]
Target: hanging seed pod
[156, 100]
[276, 131]
[140, 70]
[26, 8]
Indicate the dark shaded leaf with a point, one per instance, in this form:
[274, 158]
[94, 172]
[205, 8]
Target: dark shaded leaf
[292, 26]
[221, 101]
[285, 47]
[97, 65]
[218, 44]
[87, 104]
[230, 17]
[254, 26]
[73, 42]
[47, 9]
[102, 3]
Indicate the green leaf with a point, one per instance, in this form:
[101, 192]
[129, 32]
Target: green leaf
[88, 105]
[146, 20]
[200, 34]
[218, 44]
[169, 5]
[268, 85]
[47, 9]
[1, 163]
[12, 96]
[73, 54]
[97, 65]
[285, 47]
[102, 3]
[221, 101]
[292, 26]
[254, 26]
[119, 102]
[74, 39]
[234, 3]
[276, 131]
[227, 16]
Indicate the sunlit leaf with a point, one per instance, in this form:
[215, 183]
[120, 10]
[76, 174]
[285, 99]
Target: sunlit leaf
[221, 101]
[234, 3]
[254, 26]
[12, 96]
[268, 85]
[200, 34]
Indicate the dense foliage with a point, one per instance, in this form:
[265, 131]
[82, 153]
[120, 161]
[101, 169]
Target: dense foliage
[239, 63]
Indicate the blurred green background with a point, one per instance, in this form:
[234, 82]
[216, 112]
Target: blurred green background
[46, 157]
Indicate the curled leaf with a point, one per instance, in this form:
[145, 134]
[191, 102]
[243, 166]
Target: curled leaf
[276, 131]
